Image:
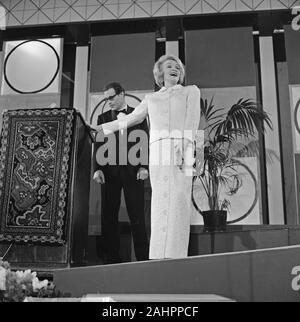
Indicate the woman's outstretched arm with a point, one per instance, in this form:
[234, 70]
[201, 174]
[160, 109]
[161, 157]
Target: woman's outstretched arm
[134, 118]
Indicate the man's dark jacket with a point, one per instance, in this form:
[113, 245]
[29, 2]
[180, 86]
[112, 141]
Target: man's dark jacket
[109, 170]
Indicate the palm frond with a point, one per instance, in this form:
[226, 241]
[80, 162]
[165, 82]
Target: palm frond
[244, 116]
[208, 110]
[252, 149]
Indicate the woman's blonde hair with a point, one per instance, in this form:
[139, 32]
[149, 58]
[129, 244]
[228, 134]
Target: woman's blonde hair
[158, 73]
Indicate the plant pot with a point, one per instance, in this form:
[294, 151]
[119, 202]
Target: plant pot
[214, 220]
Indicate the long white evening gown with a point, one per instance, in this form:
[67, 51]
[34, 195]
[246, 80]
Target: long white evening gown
[174, 114]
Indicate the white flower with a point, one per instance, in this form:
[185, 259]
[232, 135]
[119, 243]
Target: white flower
[24, 276]
[33, 274]
[19, 274]
[2, 278]
[37, 284]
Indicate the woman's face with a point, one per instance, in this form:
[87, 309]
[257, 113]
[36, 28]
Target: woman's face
[171, 71]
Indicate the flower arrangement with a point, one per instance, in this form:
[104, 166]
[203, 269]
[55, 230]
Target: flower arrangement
[15, 286]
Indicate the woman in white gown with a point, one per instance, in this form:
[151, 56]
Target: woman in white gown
[174, 114]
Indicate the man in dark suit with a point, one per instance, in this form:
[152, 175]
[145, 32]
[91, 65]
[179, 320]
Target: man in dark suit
[119, 172]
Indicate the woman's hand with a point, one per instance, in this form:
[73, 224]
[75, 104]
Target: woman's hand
[93, 129]
[96, 132]
[96, 128]
[180, 148]
[179, 154]
[184, 157]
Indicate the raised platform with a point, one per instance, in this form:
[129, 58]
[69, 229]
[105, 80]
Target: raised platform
[236, 238]
[242, 237]
[259, 275]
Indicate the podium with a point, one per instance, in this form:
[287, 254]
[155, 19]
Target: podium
[45, 166]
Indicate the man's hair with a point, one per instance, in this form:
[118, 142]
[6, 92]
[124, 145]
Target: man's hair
[116, 86]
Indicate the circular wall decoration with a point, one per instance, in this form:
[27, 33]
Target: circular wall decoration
[31, 66]
[295, 116]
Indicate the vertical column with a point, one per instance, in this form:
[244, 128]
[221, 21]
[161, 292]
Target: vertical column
[272, 138]
[288, 157]
[172, 48]
[81, 80]
[292, 49]
[173, 31]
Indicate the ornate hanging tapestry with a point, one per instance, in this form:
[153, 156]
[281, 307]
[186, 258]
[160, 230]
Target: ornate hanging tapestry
[35, 149]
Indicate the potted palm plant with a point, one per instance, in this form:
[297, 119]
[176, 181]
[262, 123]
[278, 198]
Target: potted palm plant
[226, 135]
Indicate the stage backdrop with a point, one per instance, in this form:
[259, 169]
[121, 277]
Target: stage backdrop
[128, 59]
[221, 62]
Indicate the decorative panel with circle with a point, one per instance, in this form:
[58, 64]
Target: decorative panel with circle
[31, 66]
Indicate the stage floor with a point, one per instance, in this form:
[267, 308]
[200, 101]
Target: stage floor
[251, 276]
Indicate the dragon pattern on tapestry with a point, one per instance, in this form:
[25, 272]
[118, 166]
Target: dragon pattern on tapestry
[35, 152]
